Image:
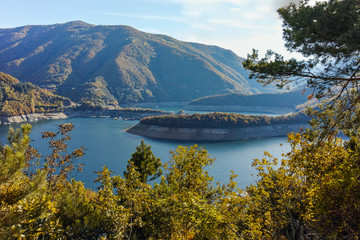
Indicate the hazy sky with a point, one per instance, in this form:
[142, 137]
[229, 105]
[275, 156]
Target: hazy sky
[239, 25]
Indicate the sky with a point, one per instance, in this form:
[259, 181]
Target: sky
[238, 25]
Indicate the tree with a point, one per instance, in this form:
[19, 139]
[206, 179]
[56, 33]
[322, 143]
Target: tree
[186, 204]
[29, 188]
[145, 163]
[59, 164]
[326, 34]
[313, 194]
[26, 209]
[87, 214]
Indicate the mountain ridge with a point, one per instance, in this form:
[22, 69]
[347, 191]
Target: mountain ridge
[73, 58]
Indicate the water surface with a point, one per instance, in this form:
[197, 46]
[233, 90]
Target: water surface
[108, 144]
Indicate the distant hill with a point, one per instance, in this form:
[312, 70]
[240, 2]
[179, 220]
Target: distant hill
[119, 64]
[222, 120]
[17, 98]
[272, 101]
[218, 126]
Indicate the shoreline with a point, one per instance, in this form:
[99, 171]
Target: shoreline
[117, 114]
[209, 134]
[33, 117]
[165, 133]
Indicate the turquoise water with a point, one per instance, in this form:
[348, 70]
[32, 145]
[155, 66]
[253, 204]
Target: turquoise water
[108, 144]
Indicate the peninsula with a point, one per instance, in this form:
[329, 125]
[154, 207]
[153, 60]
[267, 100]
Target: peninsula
[218, 126]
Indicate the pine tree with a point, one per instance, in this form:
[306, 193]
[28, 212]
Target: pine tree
[327, 35]
[145, 163]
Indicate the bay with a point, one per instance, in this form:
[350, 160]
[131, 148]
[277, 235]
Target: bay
[108, 144]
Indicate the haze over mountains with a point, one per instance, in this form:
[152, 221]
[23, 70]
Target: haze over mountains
[118, 64]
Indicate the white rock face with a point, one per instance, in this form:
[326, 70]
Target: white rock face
[32, 117]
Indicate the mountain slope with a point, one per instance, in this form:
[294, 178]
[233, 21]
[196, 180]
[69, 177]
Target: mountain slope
[284, 99]
[132, 66]
[17, 98]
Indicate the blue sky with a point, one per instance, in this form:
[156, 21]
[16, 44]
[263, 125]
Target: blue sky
[239, 25]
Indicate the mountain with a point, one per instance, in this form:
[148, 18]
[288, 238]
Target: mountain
[18, 98]
[278, 103]
[284, 99]
[119, 64]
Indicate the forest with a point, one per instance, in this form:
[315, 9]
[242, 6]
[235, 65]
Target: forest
[312, 192]
[118, 64]
[17, 98]
[222, 120]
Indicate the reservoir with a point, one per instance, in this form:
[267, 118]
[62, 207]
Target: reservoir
[108, 144]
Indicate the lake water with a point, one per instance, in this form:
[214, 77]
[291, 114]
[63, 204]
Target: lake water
[108, 144]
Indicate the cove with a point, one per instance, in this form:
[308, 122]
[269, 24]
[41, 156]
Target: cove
[108, 144]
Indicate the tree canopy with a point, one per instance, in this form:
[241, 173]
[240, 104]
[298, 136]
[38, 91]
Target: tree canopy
[145, 163]
[311, 193]
[327, 35]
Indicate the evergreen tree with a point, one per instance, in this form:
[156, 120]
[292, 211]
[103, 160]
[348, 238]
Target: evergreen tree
[327, 35]
[313, 194]
[145, 163]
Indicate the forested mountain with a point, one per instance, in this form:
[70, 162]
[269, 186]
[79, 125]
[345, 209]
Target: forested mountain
[109, 64]
[17, 98]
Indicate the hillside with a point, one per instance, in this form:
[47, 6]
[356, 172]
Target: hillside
[278, 103]
[222, 120]
[287, 99]
[218, 126]
[119, 64]
[18, 98]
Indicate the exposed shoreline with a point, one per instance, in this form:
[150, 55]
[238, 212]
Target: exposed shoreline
[122, 114]
[33, 117]
[208, 134]
[166, 133]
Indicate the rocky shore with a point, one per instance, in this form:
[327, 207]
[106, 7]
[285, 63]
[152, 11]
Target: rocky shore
[207, 134]
[119, 114]
[32, 117]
